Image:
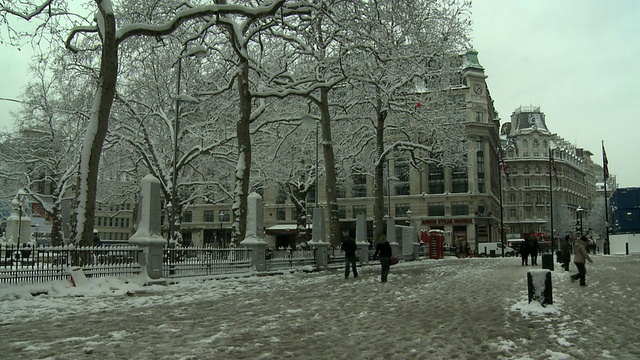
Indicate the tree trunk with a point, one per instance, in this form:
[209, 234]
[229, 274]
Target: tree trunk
[378, 211]
[330, 169]
[96, 132]
[243, 168]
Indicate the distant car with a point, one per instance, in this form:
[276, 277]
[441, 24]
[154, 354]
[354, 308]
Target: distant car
[485, 249]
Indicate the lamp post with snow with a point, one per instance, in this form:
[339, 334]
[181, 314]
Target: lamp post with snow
[580, 210]
[198, 51]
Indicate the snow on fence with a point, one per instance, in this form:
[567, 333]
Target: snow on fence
[198, 261]
[48, 263]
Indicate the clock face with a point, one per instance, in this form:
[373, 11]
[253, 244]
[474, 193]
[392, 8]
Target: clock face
[477, 88]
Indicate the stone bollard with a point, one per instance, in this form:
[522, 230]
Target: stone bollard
[539, 286]
[317, 242]
[148, 233]
[416, 251]
[253, 238]
[361, 238]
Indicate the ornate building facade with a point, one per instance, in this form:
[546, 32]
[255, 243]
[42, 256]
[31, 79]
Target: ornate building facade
[538, 159]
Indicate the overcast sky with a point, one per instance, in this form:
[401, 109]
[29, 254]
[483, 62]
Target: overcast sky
[579, 60]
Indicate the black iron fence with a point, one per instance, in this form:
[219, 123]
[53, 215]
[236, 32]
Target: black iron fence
[29, 264]
[289, 259]
[197, 261]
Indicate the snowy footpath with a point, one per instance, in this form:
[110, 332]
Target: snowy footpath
[429, 309]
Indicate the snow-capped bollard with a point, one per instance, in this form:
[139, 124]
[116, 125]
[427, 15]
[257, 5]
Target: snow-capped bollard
[539, 286]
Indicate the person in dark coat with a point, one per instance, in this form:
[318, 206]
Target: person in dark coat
[524, 254]
[534, 248]
[565, 252]
[349, 247]
[383, 249]
[96, 239]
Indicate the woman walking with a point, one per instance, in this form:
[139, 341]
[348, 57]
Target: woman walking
[383, 248]
[580, 256]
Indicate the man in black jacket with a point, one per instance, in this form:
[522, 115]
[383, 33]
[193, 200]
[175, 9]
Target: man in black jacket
[383, 249]
[349, 247]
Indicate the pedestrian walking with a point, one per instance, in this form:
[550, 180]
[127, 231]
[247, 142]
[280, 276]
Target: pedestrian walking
[524, 254]
[96, 238]
[565, 252]
[580, 256]
[349, 247]
[383, 249]
[534, 249]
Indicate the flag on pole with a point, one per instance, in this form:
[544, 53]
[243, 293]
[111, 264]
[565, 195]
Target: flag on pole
[552, 164]
[605, 163]
[503, 164]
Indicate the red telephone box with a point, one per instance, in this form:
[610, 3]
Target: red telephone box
[435, 240]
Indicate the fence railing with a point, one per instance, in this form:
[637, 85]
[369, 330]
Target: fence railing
[48, 263]
[196, 261]
[289, 259]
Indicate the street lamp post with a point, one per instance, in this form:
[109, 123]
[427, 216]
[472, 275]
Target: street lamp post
[197, 51]
[580, 211]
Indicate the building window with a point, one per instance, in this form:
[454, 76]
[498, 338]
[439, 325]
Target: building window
[294, 213]
[512, 198]
[342, 212]
[208, 216]
[188, 217]
[281, 198]
[459, 208]
[479, 117]
[459, 183]
[224, 215]
[527, 182]
[538, 199]
[401, 172]
[527, 199]
[435, 209]
[281, 214]
[401, 210]
[512, 213]
[480, 163]
[436, 180]
[359, 209]
[480, 144]
[359, 185]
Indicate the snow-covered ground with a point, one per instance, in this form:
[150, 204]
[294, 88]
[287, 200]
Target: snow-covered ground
[431, 309]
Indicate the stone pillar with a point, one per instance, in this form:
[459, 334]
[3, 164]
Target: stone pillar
[539, 286]
[391, 237]
[148, 235]
[318, 236]
[361, 239]
[254, 236]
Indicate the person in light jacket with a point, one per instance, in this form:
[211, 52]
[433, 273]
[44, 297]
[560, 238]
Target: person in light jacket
[579, 258]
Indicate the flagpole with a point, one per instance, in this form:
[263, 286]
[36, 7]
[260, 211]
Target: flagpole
[605, 175]
[551, 201]
[501, 211]
[502, 169]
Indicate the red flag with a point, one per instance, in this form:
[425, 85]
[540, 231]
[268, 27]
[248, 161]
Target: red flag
[503, 164]
[605, 163]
